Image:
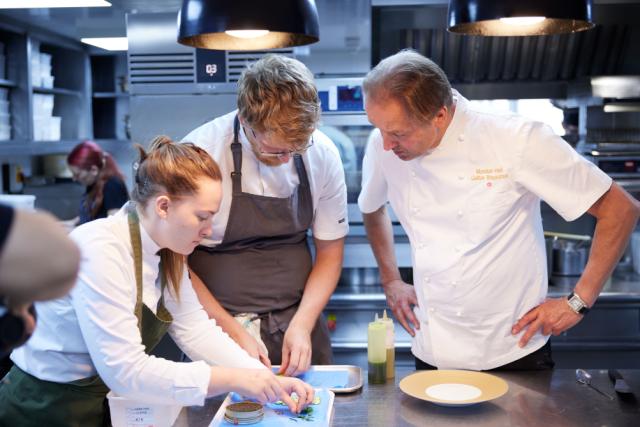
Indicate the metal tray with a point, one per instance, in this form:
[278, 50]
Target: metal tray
[354, 382]
[355, 376]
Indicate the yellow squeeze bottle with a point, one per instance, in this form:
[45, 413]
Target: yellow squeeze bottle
[376, 352]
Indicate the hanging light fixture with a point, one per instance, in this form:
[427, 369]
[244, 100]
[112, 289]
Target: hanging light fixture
[248, 24]
[519, 17]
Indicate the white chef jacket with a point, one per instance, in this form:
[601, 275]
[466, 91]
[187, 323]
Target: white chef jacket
[94, 328]
[471, 209]
[322, 162]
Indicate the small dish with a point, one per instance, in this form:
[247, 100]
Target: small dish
[453, 387]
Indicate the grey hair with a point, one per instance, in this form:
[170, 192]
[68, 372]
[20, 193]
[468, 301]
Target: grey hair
[415, 81]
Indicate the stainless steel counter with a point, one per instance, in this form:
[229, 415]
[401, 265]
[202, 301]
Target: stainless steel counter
[546, 399]
[608, 337]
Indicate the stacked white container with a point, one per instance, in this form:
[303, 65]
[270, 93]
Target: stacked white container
[46, 77]
[5, 115]
[41, 70]
[46, 126]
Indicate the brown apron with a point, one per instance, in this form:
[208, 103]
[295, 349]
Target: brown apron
[26, 401]
[263, 262]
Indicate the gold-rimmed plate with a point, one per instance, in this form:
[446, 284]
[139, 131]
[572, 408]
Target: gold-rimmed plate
[453, 387]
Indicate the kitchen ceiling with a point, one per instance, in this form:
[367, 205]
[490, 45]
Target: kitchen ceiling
[88, 22]
[495, 67]
[610, 48]
[110, 21]
[613, 47]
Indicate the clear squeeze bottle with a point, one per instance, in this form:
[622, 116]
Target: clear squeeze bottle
[376, 352]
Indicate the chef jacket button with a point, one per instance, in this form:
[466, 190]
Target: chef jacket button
[461, 137]
[431, 309]
[413, 174]
[460, 177]
[458, 313]
[454, 283]
[420, 245]
[426, 279]
[415, 210]
[460, 213]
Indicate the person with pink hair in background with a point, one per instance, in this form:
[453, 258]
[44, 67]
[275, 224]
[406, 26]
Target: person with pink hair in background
[106, 191]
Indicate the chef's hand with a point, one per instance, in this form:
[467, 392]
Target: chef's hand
[553, 316]
[251, 346]
[400, 298]
[259, 384]
[303, 390]
[296, 351]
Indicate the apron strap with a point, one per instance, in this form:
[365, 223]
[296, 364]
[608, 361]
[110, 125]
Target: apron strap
[302, 171]
[136, 243]
[236, 149]
[163, 283]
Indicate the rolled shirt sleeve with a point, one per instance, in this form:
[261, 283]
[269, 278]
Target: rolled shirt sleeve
[550, 168]
[330, 219]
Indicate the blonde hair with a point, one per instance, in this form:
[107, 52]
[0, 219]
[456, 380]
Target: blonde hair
[171, 168]
[418, 83]
[277, 94]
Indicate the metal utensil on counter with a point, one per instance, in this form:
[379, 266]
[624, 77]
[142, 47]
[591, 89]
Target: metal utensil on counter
[619, 384]
[584, 377]
[567, 236]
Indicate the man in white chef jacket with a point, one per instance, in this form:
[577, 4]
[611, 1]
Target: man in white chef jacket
[466, 187]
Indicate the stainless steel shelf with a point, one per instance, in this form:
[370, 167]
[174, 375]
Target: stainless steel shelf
[7, 83]
[30, 148]
[57, 91]
[107, 95]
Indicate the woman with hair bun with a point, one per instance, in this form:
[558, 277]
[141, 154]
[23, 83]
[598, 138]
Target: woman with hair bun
[106, 191]
[133, 286]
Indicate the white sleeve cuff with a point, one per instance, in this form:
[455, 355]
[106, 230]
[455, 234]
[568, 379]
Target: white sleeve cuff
[332, 236]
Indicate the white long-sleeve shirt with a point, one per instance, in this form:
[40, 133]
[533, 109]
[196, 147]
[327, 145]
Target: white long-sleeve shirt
[94, 328]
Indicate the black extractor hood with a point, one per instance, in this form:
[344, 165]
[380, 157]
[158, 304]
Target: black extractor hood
[548, 64]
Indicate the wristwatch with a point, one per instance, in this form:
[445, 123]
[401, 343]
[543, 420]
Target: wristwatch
[576, 304]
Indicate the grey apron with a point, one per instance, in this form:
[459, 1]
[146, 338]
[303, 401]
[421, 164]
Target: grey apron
[263, 262]
[26, 401]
